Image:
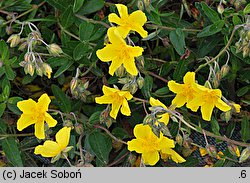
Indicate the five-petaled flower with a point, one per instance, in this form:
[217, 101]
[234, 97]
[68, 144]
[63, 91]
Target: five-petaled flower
[184, 92]
[149, 145]
[117, 98]
[55, 148]
[35, 113]
[127, 22]
[119, 53]
[207, 99]
[163, 118]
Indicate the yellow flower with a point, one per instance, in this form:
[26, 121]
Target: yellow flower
[171, 154]
[185, 92]
[207, 99]
[119, 53]
[35, 113]
[127, 22]
[51, 148]
[117, 98]
[164, 118]
[237, 108]
[149, 145]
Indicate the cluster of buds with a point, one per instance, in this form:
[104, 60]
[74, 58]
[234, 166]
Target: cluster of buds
[243, 45]
[78, 87]
[144, 5]
[33, 62]
[105, 117]
[131, 83]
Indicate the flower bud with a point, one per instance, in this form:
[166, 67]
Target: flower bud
[218, 76]
[133, 88]
[68, 123]
[14, 40]
[216, 83]
[237, 108]
[73, 84]
[120, 72]
[47, 70]
[39, 71]
[244, 155]
[187, 143]
[79, 128]
[23, 46]
[245, 51]
[9, 30]
[148, 120]
[208, 84]
[220, 8]
[125, 87]
[132, 159]
[54, 49]
[29, 69]
[116, 145]
[140, 5]
[179, 139]
[228, 116]
[224, 70]
[211, 150]
[234, 150]
[140, 82]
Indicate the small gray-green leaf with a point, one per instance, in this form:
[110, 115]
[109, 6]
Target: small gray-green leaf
[247, 9]
[2, 108]
[67, 18]
[177, 38]
[77, 5]
[91, 6]
[245, 129]
[211, 29]
[80, 51]
[210, 13]
[63, 68]
[86, 30]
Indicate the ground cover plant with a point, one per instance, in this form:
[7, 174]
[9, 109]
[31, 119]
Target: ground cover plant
[128, 83]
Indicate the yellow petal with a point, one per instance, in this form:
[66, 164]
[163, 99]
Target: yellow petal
[108, 91]
[176, 157]
[62, 137]
[135, 51]
[237, 108]
[217, 92]
[104, 99]
[50, 120]
[140, 30]
[125, 110]
[123, 31]
[123, 10]
[189, 78]
[107, 53]
[179, 100]
[203, 151]
[27, 106]
[128, 96]
[24, 121]
[222, 105]
[43, 102]
[115, 37]
[115, 109]
[113, 18]
[166, 144]
[150, 158]
[142, 131]
[164, 118]
[174, 87]
[135, 145]
[115, 64]
[138, 17]
[129, 65]
[206, 111]
[195, 103]
[48, 149]
[39, 130]
[155, 102]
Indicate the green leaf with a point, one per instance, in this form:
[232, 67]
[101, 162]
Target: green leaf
[247, 9]
[180, 70]
[9, 72]
[147, 87]
[211, 29]
[242, 91]
[245, 129]
[12, 105]
[4, 51]
[215, 126]
[2, 108]
[86, 30]
[95, 118]
[120, 133]
[210, 13]
[101, 145]
[57, 4]
[177, 38]
[162, 91]
[63, 68]
[62, 100]
[3, 127]
[80, 51]
[77, 5]
[11, 151]
[91, 6]
[67, 18]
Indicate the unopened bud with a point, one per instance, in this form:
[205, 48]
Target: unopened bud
[14, 40]
[9, 30]
[125, 87]
[133, 88]
[234, 150]
[73, 84]
[148, 120]
[140, 5]
[208, 84]
[237, 108]
[244, 155]
[187, 143]
[79, 128]
[216, 83]
[39, 71]
[245, 51]
[228, 116]
[120, 72]
[68, 123]
[140, 82]
[211, 150]
[47, 70]
[23, 46]
[224, 70]
[29, 69]
[220, 8]
[218, 76]
[179, 139]
[54, 49]
[132, 159]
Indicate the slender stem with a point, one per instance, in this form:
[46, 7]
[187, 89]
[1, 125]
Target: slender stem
[6, 12]
[80, 147]
[26, 12]
[67, 160]
[69, 33]
[110, 134]
[118, 160]
[157, 76]
[141, 100]
[221, 52]
[92, 21]
[16, 135]
[171, 28]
